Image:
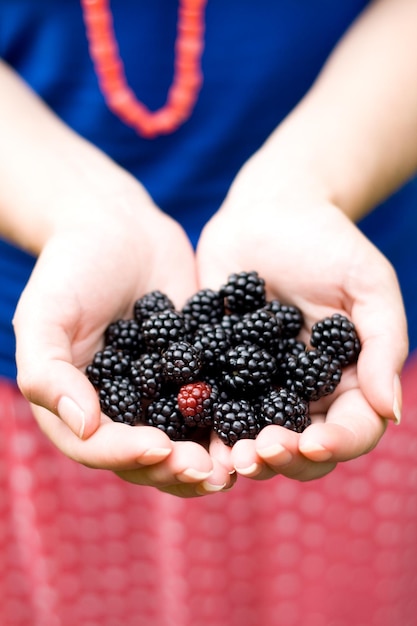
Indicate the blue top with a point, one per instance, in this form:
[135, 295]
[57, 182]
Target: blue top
[259, 60]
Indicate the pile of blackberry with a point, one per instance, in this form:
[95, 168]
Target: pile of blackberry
[229, 361]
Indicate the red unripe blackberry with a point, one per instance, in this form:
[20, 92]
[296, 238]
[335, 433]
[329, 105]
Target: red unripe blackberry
[195, 402]
[243, 292]
[235, 420]
[181, 362]
[337, 337]
[285, 408]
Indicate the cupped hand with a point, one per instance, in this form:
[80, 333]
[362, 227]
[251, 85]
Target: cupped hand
[89, 273]
[312, 256]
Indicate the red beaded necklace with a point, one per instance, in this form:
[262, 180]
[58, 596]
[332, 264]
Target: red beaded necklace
[187, 81]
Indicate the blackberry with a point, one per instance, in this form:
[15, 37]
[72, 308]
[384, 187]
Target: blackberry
[219, 391]
[229, 320]
[337, 337]
[243, 292]
[290, 316]
[164, 414]
[120, 401]
[285, 408]
[288, 348]
[294, 346]
[163, 327]
[195, 402]
[106, 365]
[234, 420]
[125, 335]
[152, 302]
[204, 307]
[312, 374]
[181, 362]
[248, 368]
[146, 374]
[212, 340]
[259, 327]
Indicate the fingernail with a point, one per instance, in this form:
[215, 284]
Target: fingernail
[251, 470]
[276, 452]
[72, 415]
[315, 451]
[154, 455]
[206, 487]
[398, 400]
[191, 475]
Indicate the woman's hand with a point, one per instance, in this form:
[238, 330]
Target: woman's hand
[312, 256]
[89, 273]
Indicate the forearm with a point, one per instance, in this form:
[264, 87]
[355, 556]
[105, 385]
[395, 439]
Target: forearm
[50, 176]
[353, 137]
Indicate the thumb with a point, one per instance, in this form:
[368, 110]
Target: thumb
[47, 377]
[382, 327]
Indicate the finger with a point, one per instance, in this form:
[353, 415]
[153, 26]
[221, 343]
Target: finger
[352, 428]
[220, 479]
[381, 323]
[278, 447]
[186, 483]
[46, 375]
[262, 459]
[221, 453]
[113, 446]
[65, 391]
[247, 462]
[183, 490]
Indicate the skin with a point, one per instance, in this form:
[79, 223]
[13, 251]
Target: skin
[291, 210]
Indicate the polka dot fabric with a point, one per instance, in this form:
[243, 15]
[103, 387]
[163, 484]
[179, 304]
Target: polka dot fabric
[82, 547]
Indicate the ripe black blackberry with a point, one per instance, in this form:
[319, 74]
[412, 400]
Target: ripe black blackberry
[229, 320]
[290, 316]
[312, 374]
[163, 327]
[152, 302]
[204, 307]
[120, 400]
[107, 364]
[164, 414]
[285, 408]
[248, 369]
[195, 402]
[260, 327]
[337, 337]
[243, 292]
[181, 362]
[125, 335]
[288, 348]
[146, 374]
[234, 420]
[212, 340]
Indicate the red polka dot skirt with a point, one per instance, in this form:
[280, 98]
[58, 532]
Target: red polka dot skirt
[81, 547]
